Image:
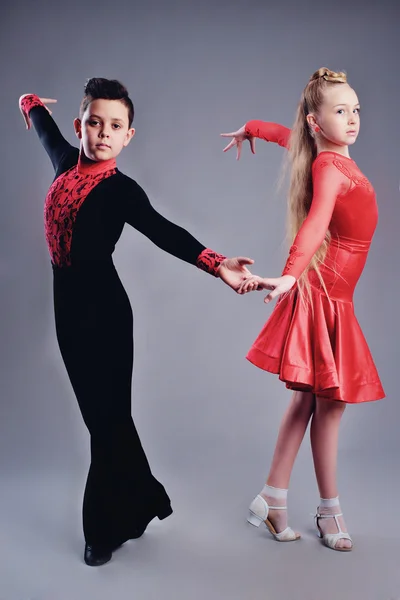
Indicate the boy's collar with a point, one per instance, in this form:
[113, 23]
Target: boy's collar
[91, 167]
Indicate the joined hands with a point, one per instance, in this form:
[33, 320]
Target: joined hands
[278, 285]
[233, 272]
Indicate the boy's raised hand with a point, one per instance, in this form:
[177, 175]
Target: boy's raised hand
[45, 101]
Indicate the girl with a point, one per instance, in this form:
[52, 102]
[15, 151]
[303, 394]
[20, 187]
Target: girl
[312, 340]
[85, 211]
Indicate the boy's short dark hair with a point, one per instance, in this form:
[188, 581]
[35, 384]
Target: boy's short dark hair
[106, 89]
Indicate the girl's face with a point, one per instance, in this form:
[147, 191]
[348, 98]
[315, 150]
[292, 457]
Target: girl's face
[339, 115]
[104, 129]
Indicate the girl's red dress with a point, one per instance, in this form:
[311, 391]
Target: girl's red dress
[321, 348]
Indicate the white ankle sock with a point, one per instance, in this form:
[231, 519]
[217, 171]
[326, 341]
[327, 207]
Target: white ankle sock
[329, 502]
[273, 492]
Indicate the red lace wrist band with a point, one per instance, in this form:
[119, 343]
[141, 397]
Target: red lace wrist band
[210, 261]
[30, 101]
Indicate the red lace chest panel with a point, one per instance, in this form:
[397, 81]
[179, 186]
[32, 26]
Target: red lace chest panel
[352, 172]
[356, 214]
[63, 201]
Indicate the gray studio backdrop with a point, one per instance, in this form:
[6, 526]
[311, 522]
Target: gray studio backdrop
[207, 418]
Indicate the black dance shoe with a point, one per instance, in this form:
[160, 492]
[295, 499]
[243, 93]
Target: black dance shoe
[161, 513]
[95, 556]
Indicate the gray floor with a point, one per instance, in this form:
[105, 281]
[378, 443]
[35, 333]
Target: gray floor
[206, 549]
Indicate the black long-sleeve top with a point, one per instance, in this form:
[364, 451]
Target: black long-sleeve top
[88, 204]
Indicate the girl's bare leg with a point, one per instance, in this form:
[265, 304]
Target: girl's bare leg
[324, 435]
[291, 433]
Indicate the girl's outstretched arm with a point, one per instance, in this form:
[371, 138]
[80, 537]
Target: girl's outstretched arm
[270, 132]
[34, 110]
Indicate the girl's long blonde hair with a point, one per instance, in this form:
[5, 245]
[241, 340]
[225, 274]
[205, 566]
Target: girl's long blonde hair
[302, 153]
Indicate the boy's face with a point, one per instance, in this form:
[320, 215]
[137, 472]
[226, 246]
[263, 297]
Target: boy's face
[104, 129]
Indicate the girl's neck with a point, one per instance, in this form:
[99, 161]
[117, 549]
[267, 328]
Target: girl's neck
[327, 146]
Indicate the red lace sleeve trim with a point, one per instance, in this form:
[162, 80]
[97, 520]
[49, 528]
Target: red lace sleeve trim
[30, 101]
[293, 255]
[270, 132]
[210, 261]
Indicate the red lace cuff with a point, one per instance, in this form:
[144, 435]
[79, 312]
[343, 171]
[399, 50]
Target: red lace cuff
[210, 261]
[293, 255]
[28, 102]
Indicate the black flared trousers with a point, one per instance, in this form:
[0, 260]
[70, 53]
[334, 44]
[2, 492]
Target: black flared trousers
[94, 325]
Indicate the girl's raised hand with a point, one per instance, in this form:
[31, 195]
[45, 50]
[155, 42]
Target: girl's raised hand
[238, 138]
[45, 101]
[278, 285]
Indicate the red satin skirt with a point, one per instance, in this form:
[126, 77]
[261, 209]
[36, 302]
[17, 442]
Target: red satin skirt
[321, 348]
